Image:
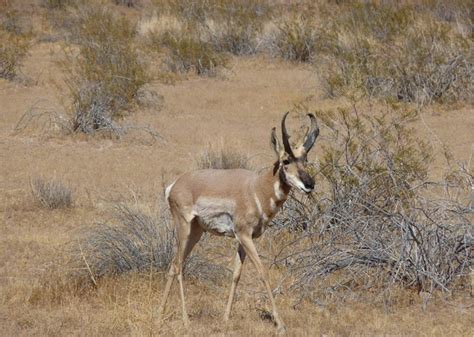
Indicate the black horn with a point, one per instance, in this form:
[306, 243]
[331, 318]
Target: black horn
[285, 137]
[312, 134]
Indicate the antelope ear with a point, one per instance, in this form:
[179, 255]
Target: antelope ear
[280, 152]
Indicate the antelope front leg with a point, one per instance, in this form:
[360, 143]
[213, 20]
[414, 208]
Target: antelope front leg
[249, 247]
[239, 261]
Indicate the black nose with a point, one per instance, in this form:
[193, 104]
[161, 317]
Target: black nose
[309, 186]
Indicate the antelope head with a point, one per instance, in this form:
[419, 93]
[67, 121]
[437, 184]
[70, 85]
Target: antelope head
[292, 164]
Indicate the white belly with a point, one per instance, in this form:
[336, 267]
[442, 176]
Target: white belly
[215, 215]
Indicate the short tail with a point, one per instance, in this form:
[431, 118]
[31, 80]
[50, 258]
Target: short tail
[168, 191]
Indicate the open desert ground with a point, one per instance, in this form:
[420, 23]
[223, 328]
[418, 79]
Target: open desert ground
[236, 109]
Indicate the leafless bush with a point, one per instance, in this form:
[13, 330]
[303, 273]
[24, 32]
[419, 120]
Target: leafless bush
[136, 242]
[375, 217]
[221, 157]
[107, 75]
[52, 194]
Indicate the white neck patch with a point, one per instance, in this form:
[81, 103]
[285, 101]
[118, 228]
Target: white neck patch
[279, 194]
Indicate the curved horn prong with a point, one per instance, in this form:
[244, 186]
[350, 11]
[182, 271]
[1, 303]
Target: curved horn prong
[285, 137]
[312, 134]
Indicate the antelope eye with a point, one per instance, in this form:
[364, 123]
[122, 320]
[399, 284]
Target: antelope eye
[286, 162]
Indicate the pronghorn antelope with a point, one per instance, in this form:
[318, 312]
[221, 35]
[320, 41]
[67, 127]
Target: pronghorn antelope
[237, 203]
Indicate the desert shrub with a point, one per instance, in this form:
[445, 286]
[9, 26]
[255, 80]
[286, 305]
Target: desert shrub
[14, 41]
[375, 222]
[56, 4]
[12, 49]
[107, 73]
[235, 25]
[294, 39]
[222, 157]
[394, 51]
[10, 20]
[51, 193]
[229, 26]
[128, 3]
[185, 48]
[135, 242]
[188, 53]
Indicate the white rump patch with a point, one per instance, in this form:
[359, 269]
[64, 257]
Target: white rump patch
[215, 215]
[168, 191]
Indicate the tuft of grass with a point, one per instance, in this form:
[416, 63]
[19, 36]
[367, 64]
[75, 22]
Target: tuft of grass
[189, 53]
[221, 157]
[52, 193]
[107, 73]
[233, 26]
[127, 3]
[295, 39]
[56, 4]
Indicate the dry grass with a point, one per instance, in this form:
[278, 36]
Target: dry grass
[222, 157]
[137, 242]
[51, 193]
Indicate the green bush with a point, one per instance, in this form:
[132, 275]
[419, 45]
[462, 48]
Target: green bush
[188, 53]
[56, 4]
[12, 49]
[128, 3]
[107, 73]
[295, 39]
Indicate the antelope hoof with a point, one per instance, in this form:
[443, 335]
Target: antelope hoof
[186, 322]
[281, 330]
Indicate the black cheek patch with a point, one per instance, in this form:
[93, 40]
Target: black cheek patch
[306, 179]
